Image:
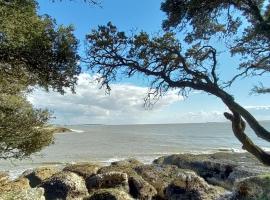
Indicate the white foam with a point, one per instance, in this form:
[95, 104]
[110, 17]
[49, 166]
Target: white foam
[77, 131]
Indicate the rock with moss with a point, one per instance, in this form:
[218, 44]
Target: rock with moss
[29, 194]
[109, 194]
[64, 185]
[83, 169]
[36, 176]
[256, 187]
[108, 180]
[18, 184]
[221, 169]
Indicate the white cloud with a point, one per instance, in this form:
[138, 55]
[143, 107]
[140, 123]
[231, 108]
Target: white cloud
[90, 104]
[124, 105]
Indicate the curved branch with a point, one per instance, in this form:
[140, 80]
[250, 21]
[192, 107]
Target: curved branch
[238, 127]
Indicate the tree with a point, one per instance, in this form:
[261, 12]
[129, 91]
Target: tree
[191, 63]
[34, 51]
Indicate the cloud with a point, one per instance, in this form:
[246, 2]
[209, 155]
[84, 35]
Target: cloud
[90, 104]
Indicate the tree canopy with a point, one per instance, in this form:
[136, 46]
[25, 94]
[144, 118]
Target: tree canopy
[191, 63]
[34, 51]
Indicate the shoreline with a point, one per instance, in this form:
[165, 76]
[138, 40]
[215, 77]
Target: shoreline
[18, 166]
[220, 172]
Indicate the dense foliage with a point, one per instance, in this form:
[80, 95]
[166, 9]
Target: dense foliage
[33, 51]
[192, 63]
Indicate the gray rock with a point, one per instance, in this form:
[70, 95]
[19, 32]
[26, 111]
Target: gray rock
[108, 180]
[174, 183]
[189, 185]
[221, 169]
[64, 185]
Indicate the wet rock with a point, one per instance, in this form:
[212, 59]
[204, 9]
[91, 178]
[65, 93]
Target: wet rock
[256, 187]
[38, 175]
[109, 194]
[64, 185]
[108, 180]
[83, 169]
[29, 194]
[140, 189]
[221, 169]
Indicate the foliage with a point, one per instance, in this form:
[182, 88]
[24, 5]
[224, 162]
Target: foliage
[33, 51]
[245, 25]
[32, 44]
[21, 125]
[192, 63]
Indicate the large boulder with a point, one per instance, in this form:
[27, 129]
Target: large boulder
[221, 169]
[174, 183]
[188, 185]
[36, 176]
[138, 187]
[256, 187]
[159, 176]
[29, 194]
[64, 185]
[108, 180]
[109, 194]
[83, 169]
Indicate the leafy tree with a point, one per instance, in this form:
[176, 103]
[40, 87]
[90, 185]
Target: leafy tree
[192, 62]
[34, 51]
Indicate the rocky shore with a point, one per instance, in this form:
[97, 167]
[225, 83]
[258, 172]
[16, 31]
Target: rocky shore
[219, 176]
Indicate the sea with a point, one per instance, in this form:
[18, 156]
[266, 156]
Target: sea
[104, 144]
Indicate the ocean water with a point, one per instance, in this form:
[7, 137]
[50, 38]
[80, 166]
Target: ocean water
[107, 143]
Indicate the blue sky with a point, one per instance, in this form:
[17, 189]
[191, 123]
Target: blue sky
[135, 15]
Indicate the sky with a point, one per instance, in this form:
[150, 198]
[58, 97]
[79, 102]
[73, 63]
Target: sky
[125, 104]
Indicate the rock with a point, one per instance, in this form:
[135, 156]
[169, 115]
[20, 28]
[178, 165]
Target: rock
[174, 183]
[159, 176]
[4, 179]
[18, 184]
[64, 185]
[188, 185]
[108, 180]
[140, 189]
[256, 187]
[38, 175]
[83, 169]
[221, 169]
[125, 166]
[109, 194]
[29, 194]
[127, 163]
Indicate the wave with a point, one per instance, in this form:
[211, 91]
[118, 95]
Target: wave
[77, 131]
